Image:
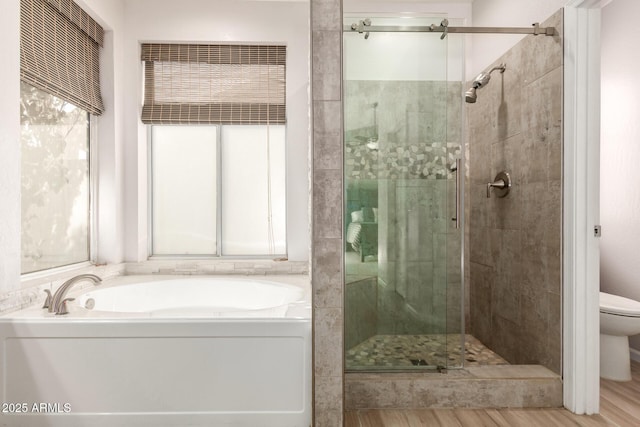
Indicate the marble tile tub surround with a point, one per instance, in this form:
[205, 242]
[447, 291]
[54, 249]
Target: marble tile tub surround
[32, 291]
[217, 266]
[515, 242]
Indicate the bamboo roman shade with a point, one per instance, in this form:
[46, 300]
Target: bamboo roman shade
[59, 51]
[214, 84]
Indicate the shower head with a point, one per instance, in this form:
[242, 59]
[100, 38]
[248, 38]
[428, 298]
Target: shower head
[470, 96]
[480, 81]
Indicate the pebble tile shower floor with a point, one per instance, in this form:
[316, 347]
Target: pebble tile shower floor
[413, 350]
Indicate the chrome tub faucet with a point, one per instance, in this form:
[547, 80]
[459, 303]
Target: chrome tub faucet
[57, 302]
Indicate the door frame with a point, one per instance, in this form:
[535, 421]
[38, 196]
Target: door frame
[581, 206]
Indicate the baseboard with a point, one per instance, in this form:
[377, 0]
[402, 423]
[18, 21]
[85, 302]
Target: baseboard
[635, 354]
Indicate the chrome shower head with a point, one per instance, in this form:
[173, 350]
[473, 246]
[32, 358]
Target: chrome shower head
[480, 81]
[470, 96]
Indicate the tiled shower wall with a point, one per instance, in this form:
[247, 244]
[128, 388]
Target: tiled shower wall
[515, 242]
[417, 126]
[327, 246]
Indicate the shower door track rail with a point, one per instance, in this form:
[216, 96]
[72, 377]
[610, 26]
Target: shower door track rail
[535, 29]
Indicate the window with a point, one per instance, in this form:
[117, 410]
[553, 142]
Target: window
[55, 181]
[218, 169]
[253, 190]
[58, 101]
[218, 190]
[184, 188]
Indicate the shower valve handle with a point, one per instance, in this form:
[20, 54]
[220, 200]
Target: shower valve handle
[497, 184]
[502, 182]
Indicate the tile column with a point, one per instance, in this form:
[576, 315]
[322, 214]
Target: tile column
[327, 244]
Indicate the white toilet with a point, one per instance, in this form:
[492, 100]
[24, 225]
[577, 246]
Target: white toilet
[619, 318]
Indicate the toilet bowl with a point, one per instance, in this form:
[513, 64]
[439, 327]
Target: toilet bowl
[619, 318]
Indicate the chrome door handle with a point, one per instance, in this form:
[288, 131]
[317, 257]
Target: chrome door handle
[457, 169]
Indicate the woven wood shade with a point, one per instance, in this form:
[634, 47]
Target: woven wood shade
[59, 51]
[75, 14]
[214, 84]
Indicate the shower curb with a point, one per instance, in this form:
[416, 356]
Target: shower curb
[506, 386]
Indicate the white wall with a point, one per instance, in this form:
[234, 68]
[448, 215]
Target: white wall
[452, 8]
[10, 146]
[218, 21]
[110, 131]
[620, 152]
[486, 48]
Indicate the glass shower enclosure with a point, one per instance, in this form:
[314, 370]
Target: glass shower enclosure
[402, 196]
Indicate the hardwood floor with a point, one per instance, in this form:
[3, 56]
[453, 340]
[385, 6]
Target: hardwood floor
[619, 407]
[472, 418]
[620, 401]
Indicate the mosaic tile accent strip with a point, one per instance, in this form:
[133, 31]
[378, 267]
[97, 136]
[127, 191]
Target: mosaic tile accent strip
[419, 350]
[425, 161]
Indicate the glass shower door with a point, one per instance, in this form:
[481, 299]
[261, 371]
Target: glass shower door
[402, 248]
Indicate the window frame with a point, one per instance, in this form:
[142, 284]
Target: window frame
[93, 189]
[219, 255]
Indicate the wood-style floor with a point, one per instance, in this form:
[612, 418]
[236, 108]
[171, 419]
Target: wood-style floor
[619, 407]
[620, 401]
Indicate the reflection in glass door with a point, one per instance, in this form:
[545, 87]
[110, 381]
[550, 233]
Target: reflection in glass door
[402, 136]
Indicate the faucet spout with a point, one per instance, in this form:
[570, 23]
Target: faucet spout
[59, 302]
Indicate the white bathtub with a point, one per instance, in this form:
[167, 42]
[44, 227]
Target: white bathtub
[163, 351]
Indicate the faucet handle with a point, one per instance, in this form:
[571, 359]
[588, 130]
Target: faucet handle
[48, 300]
[63, 309]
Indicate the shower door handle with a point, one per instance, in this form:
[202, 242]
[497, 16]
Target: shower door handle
[457, 170]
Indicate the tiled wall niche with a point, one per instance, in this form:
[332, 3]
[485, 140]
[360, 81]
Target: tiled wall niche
[515, 242]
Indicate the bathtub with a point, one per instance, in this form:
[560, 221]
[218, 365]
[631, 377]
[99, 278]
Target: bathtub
[163, 351]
